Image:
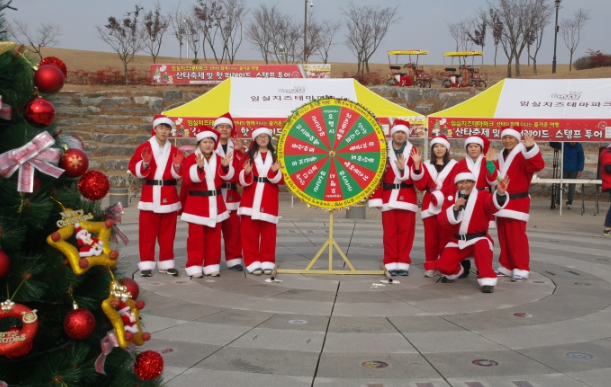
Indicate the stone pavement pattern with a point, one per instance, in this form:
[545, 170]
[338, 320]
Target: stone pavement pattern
[309, 330]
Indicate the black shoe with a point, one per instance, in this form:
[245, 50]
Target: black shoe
[237, 267]
[393, 273]
[569, 203]
[466, 265]
[445, 280]
[146, 273]
[172, 272]
[403, 273]
[487, 289]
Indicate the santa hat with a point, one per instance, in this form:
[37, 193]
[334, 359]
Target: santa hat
[161, 119]
[479, 140]
[226, 119]
[400, 125]
[78, 230]
[514, 131]
[259, 131]
[464, 174]
[441, 139]
[205, 131]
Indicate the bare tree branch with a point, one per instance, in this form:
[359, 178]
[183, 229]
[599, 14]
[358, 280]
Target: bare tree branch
[570, 30]
[45, 35]
[154, 28]
[327, 33]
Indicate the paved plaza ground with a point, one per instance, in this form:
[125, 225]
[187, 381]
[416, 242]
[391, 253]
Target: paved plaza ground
[342, 330]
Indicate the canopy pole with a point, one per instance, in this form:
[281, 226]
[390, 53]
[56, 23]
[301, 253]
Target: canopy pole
[561, 174]
[426, 143]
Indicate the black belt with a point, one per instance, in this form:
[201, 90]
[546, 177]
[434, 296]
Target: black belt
[481, 188]
[205, 193]
[518, 195]
[262, 179]
[230, 186]
[468, 237]
[161, 182]
[396, 186]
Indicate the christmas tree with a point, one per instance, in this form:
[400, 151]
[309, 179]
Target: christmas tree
[68, 318]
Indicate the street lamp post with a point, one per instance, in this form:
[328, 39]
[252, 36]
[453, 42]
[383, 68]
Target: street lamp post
[557, 2]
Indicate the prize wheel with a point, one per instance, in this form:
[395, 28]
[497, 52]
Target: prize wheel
[332, 153]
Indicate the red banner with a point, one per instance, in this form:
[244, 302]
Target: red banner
[186, 74]
[581, 130]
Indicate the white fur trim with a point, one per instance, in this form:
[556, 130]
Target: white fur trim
[253, 266]
[259, 131]
[192, 270]
[511, 132]
[148, 206]
[263, 167]
[222, 120]
[426, 214]
[467, 213]
[163, 120]
[146, 265]
[161, 156]
[513, 215]
[260, 215]
[496, 203]
[392, 159]
[203, 220]
[439, 196]
[207, 134]
[522, 273]
[474, 140]
[391, 266]
[455, 276]
[532, 153]
[450, 213]
[373, 203]
[504, 164]
[276, 178]
[165, 265]
[491, 224]
[229, 174]
[266, 265]
[209, 269]
[487, 281]
[397, 205]
[175, 175]
[417, 176]
[504, 270]
[402, 266]
[465, 176]
[401, 128]
[139, 166]
[194, 174]
[243, 178]
[233, 206]
[442, 141]
[232, 262]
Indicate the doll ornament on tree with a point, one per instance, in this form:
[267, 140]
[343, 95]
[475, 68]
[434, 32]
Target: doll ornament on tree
[88, 245]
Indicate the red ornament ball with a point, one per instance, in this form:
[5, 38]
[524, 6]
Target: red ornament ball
[74, 162]
[39, 112]
[109, 223]
[79, 324]
[5, 263]
[146, 336]
[94, 185]
[55, 237]
[114, 254]
[49, 79]
[140, 304]
[132, 287]
[83, 263]
[129, 336]
[51, 60]
[148, 365]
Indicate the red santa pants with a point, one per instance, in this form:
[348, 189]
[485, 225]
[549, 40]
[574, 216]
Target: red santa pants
[259, 243]
[449, 262]
[155, 226]
[399, 231]
[232, 239]
[203, 249]
[515, 252]
[435, 238]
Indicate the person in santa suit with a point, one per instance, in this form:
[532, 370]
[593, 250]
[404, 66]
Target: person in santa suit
[483, 168]
[519, 161]
[204, 172]
[228, 142]
[430, 177]
[258, 209]
[396, 197]
[466, 213]
[159, 163]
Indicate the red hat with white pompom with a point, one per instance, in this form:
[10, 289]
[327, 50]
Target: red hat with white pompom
[464, 174]
[400, 125]
[514, 131]
[161, 119]
[479, 140]
[441, 139]
[205, 131]
[226, 119]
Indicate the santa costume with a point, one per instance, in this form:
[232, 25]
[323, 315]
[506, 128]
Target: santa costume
[259, 210]
[485, 173]
[231, 227]
[469, 232]
[396, 197]
[519, 164]
[204, 207]
[430, 179]
[88, 245]
[159, 202]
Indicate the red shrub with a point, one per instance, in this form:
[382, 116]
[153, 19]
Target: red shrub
[367, 79]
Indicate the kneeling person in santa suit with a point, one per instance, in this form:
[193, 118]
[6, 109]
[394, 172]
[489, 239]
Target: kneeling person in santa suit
[204, 173]
[466, 211]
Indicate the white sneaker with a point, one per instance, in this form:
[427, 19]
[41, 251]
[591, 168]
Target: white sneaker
[517, 278]
[429, 273]
[198, 275]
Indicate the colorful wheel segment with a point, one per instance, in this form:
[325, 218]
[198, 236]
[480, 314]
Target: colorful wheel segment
[332, 153]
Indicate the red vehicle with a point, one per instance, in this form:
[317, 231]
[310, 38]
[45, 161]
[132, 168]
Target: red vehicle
[413, 75]
[468, 76]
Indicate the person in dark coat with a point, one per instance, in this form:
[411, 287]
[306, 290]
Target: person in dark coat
[572, 164]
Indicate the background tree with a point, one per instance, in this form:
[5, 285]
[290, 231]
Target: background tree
[225, 19]
[191, 27]
[570, 30]
[478, 37]
[273, 33]
[496, 29]
[47, 34]
[460, 33]
[535, 36]
[327, 34]
[155, 25]
[178, 29]
[123, 36]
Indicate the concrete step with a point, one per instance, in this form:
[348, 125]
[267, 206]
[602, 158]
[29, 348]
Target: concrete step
[98, 149]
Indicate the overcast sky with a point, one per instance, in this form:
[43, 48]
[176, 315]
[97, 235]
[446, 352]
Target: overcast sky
[423, 25]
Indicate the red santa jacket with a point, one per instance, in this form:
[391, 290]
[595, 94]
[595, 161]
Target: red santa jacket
[231, 195]
[396, 190]
[472, 220]
[210, 209]
[480, 170]
[431, 182]
[605, 159]
[260, 194]
[520, 166]
[155, 197]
